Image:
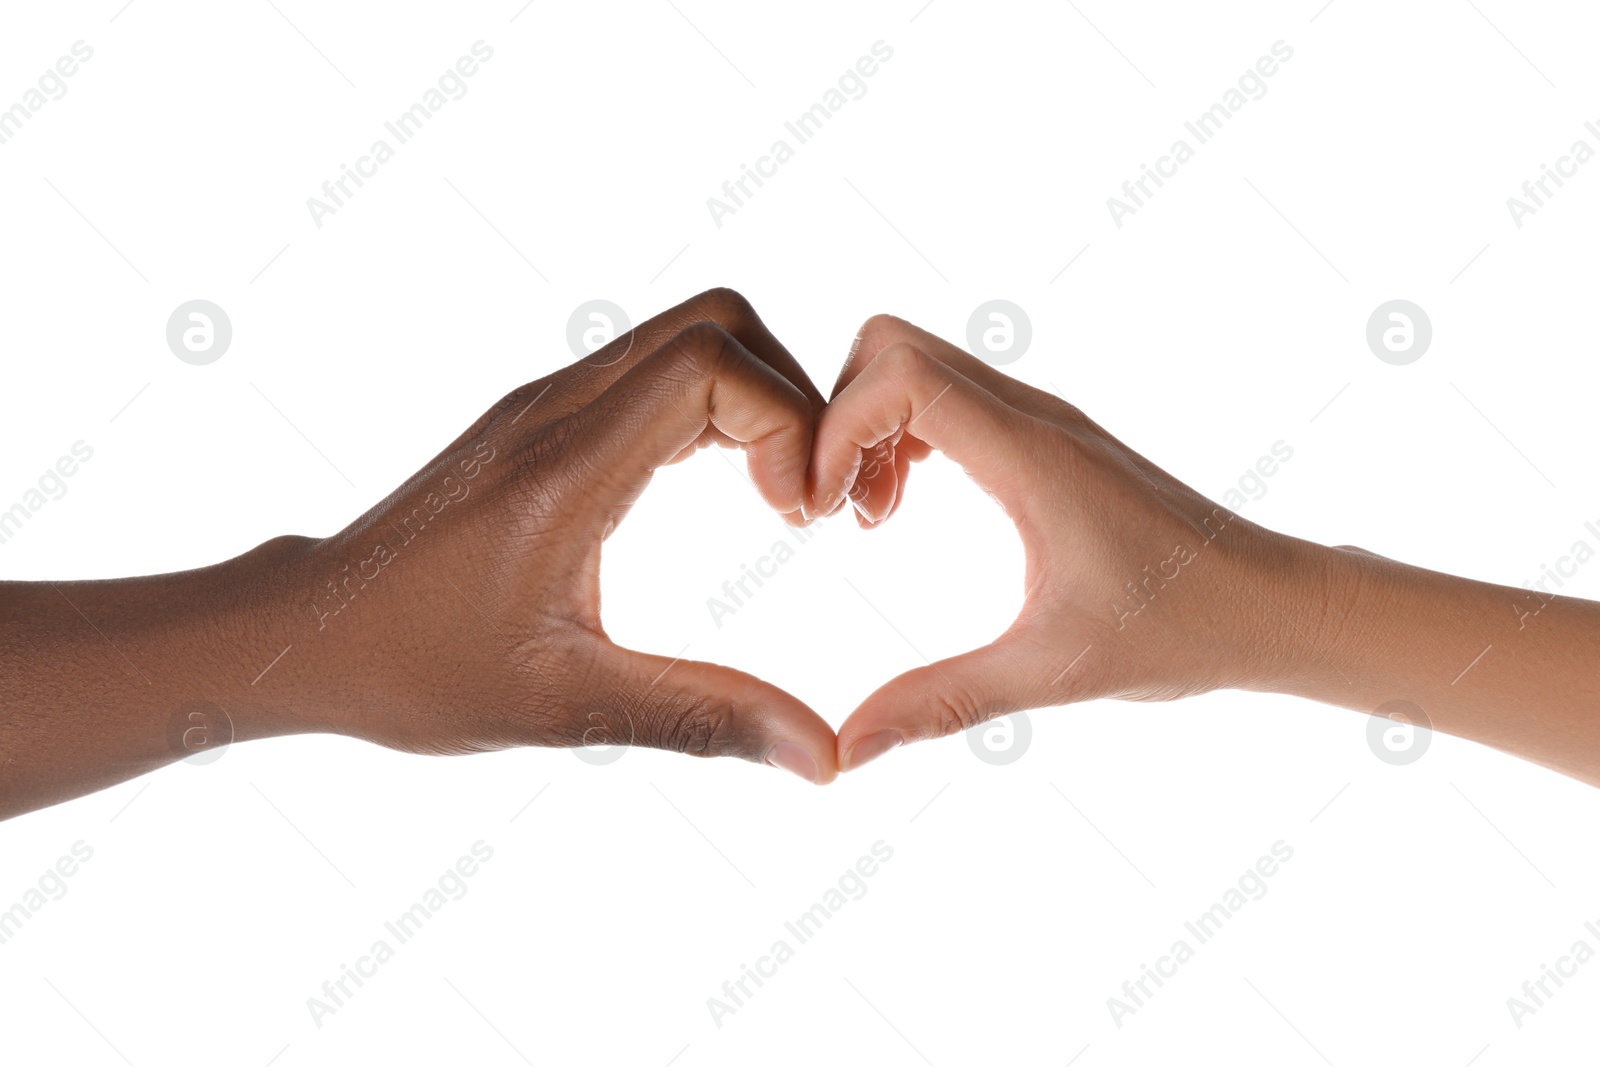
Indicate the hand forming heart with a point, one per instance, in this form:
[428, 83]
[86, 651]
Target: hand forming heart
[461, 614]
[496, 543]
[484, 567]
[1137, 586]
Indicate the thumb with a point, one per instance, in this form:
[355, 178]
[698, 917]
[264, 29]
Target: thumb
[945, 697]
[704, 709]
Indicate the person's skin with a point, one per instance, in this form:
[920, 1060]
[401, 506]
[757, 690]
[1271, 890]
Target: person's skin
[1224, 603]
[478, 628]
[476, 625]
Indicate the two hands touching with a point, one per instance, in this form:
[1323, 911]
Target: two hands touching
[461, 614]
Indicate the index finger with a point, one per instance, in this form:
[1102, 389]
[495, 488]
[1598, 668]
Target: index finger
[881, 331]
[906, 389]
[578, 384]
[592, 375]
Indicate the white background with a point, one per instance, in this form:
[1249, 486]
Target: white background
[1226, 315]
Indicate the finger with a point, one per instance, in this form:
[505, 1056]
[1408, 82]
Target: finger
[709, 710]
[907, 450]
[883, 331]
[886, 479]
[906, 390]
[877, 483]
[702, 380]
[592, 375]
[569, 389]
[893, 490]
[945, 698]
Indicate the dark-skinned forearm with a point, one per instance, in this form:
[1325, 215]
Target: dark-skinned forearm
[108, 680]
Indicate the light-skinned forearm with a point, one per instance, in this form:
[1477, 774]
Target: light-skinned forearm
[1510, 668]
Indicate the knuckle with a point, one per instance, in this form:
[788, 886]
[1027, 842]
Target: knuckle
[880, 335]
[547, 462]
[881, 329]
[532, 457]
[698, 728]
[523, 396]
[906, 362]
[698, 348]
[723, 305]
[1066, 415]
[956, 710]
[525, 491]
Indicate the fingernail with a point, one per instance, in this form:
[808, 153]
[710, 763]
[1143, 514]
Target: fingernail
[870, 748]
[861, 509]
[795, 760]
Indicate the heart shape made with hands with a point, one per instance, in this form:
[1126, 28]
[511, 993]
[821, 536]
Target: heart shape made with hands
[858, 453]
[1125, 589]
